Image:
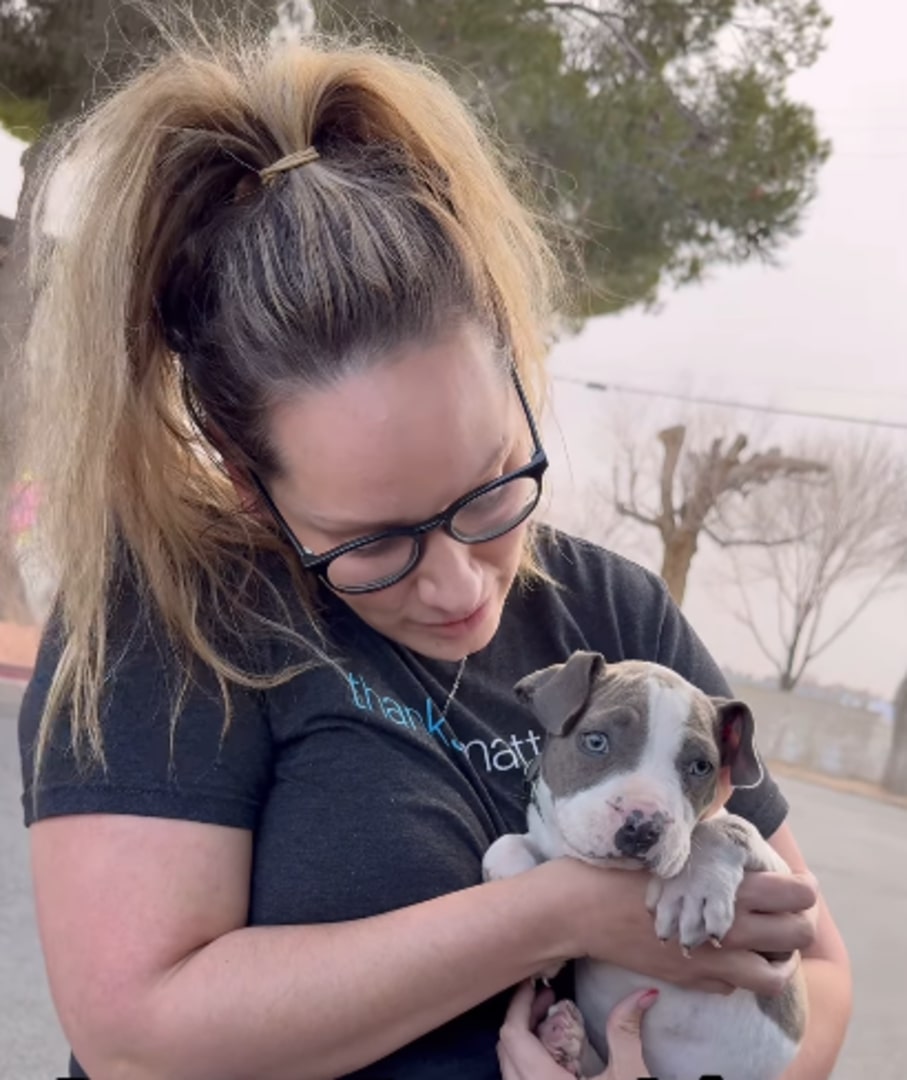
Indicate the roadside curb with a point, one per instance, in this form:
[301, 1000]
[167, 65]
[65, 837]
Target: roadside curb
[13, 673]
[845, 786]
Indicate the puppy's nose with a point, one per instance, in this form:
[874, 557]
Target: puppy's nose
[638, 834]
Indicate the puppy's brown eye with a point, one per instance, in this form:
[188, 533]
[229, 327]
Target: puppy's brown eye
[701, 769]
[595, 742]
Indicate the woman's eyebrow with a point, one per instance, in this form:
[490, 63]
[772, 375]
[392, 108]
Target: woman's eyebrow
[344, 529]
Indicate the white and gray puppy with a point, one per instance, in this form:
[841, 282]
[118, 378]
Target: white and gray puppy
[628, 778]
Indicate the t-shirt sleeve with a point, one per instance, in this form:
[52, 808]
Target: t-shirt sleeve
[680, 649]
[207, 774]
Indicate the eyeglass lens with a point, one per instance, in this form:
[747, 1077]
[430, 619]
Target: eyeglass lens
[484, 517]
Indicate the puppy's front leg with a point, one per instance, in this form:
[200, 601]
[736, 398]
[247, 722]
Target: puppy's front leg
[697, 904]
[509, 855]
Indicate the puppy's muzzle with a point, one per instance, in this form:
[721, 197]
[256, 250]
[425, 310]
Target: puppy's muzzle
[639, 833]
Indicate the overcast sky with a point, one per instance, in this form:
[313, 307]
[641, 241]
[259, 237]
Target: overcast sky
[827, 331]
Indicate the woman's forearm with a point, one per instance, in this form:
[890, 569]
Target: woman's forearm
[829, 990]
[320, 1001]
[829, 994]
[829, 986]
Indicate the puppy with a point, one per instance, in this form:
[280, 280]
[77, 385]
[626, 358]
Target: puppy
[634, 773]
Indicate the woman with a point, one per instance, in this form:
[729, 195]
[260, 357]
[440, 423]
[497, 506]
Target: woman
[287, 349]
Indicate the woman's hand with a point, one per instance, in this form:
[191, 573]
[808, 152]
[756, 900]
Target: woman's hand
[523, 1057]
[779, 912]
[605, 917]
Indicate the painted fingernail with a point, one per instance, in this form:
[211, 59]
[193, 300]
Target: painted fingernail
[648, 999]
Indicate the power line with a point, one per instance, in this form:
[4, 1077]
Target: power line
[620, 388]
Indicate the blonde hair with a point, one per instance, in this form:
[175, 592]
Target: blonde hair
[175, 271]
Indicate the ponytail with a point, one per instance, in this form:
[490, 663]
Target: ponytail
[170, 263]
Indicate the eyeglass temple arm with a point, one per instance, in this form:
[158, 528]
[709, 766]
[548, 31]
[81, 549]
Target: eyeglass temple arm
[527, 409]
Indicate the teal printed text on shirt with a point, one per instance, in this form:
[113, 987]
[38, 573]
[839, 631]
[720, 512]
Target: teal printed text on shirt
[495, 755]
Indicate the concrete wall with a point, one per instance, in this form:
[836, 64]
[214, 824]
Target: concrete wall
[818, 735]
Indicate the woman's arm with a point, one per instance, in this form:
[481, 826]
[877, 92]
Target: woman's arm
[155, 973]
[826, 966]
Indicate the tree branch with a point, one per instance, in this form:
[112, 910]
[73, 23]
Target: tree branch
[760, 468]
[749, 620]
[872, 593]
[852, 524]
[614, 22]
[750, 541]
[632, 512]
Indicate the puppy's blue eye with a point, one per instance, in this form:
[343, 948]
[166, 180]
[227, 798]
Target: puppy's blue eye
[701, 769]
[596, 742]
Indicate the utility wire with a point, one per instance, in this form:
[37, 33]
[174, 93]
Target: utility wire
[620, 388]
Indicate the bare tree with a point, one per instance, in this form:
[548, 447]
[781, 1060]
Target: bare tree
[695, 491]
[852, 528]
[895, 778]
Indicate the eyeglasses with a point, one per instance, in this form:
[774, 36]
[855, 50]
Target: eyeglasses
[383, 558]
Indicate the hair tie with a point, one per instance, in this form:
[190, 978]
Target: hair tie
[291, 161]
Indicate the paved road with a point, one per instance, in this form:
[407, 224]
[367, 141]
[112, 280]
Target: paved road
[857, 847]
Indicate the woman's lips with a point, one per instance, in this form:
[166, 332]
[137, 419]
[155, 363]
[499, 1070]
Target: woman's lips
[456, 627]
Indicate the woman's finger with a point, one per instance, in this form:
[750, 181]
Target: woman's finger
[528, 1007]
[768, 892]
[749, 971]
[781, 933]
[519, 1011]
[544, 999]
[712, 986]
[508, 1069]
[520, 1054]
[522, 1057]
[625, 1061]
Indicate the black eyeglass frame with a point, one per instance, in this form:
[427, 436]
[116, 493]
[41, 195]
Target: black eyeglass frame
[318, 564]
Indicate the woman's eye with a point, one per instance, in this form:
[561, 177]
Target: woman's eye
[486, 504]
[379, 549]
[596, 742]
[701, 768]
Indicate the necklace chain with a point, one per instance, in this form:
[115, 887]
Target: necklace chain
[453, 690]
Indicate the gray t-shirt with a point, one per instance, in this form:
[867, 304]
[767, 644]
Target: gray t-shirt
[361, 798]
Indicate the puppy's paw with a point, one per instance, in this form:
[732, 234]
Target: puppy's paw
[563, 1034]
[697, 908]
[508, 856]
[697, 905]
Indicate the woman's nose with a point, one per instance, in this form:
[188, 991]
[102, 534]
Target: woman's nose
[449, 578]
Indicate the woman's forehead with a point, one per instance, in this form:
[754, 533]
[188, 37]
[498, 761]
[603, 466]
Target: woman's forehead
[399, 441]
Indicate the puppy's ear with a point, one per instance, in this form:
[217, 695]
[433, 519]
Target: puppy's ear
[559, 694]
[735, 734]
